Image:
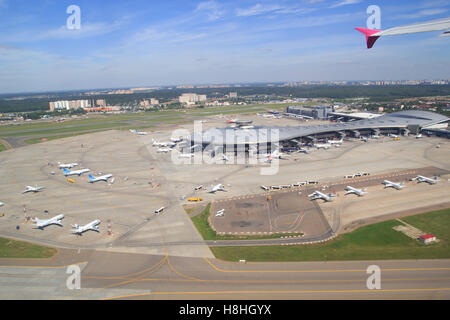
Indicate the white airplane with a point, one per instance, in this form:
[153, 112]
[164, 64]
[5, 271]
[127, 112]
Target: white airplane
[33, 189]
[220, 213]
[275, 155]
[322, 145]
[67, 165]
[163, 144]
[335, 142]
[139, 133]
[165, 150]
[391, 184]
[426, 179]
[264, 188]
[101, 178]
[90, 226]
[435, 25]
[358, 192]
[41, 224]
[217, 187]
[319, 195]
[365, 139]
[393, 135]
[375, 136]
[74, 172]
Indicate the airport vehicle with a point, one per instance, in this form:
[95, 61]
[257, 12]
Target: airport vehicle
[396, 139]
[299, 184]
[75, 172]
[393, 135]
[217, 187]
[195, 199]
[198, 188]
[304, 150]
[101, 178]
[391, 184]
[349, 176]
[375, 136]
[224, 158]
[426, 179]
[33, 189]
[358, 192]
[220, 213]
[159, 210]
[336, 142]
[418, 136]
[67, 165]
[1, 204]
[2, 215]
[164, 150]
[93, 225]
[313, 182]
[276, 187]
[319, 195]
[435, 25]
[41, 224]
[70, 180]
[264, 188]
[322, 145]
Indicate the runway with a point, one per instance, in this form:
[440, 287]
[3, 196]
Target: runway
[110, 275]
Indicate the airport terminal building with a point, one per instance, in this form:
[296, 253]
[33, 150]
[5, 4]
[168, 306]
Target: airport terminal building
[262, 138]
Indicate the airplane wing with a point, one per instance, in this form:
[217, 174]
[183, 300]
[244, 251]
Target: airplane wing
[436, 25]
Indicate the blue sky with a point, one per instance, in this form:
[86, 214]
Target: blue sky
[145, 43]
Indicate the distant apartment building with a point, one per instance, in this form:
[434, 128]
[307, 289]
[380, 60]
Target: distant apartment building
[154, 101]
[191, 98]
[233, 95]
[67, 105]
[100, 103]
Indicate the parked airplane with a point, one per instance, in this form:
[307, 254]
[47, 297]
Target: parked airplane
[41, 224]
[90, 226]
[163, 144]
[358, 192]
[426, 179]
[335, 142]
[319, 195]
[217, 187]
[33, 189]
[72, 173]
[101, 178]
[391, 184]
[176, 140]
[393, 135]
[67, 165]
[322, 146]
[375, 136]
[224, 158]
[139, 133]
[435, 25]
[220, 213]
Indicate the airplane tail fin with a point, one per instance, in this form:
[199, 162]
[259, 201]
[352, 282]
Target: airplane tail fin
[65, 170]
[91, 177]
[370, 39]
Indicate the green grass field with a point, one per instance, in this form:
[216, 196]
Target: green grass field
[374, 242]
[201, 223]
[2, 147]
[20, 249]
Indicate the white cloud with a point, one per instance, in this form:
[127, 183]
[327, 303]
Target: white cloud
[345, 3]
[257, 9]
[422, 13]
[212, 9]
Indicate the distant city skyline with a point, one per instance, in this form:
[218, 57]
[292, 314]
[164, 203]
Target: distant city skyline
[150, 43]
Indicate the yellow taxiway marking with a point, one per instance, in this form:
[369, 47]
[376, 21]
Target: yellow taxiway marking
[332, 270]
[276, 292]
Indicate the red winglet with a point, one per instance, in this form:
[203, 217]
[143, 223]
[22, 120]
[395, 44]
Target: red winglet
[369, 38]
